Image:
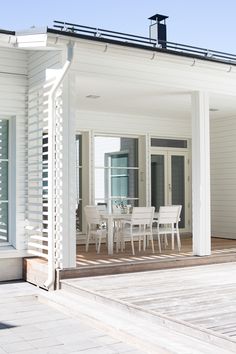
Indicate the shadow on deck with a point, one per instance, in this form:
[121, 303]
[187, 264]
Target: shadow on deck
[93, 264]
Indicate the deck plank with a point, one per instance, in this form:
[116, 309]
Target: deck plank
[203, 296]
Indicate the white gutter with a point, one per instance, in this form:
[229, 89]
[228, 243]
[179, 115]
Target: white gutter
[51, 119]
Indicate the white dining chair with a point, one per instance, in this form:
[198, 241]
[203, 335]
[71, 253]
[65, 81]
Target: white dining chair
[139, 227]
[168, 223]
[95, 226]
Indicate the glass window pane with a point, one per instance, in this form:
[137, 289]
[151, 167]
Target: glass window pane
[105, 147]
[3, 139]
[178, 185]
[158, 181]
[169, 143]
[4, 180]
[115, 179]
[3, 222]
[119, 187]
[79, 150]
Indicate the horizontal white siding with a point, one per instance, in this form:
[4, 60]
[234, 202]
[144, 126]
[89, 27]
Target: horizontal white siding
[13, 91]
[223, 177]
[132, 124]
[39, 61]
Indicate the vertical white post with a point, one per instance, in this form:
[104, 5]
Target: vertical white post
[69, 172]
[143, 157]
[201, 174]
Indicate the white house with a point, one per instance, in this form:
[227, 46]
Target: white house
[74, 100]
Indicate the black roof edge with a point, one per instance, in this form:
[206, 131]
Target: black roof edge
[7, 32]
[138, 46]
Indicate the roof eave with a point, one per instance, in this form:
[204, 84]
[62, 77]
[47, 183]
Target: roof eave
[136, 45]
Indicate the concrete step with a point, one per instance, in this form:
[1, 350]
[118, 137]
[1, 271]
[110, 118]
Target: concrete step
[147, 331]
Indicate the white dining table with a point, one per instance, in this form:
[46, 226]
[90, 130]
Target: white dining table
[110, 218]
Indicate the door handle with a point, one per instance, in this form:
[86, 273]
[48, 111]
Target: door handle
[170, 187]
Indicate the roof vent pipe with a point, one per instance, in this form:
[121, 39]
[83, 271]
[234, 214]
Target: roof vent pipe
[157, 29]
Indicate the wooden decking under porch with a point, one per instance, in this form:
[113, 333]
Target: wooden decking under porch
[91, 264]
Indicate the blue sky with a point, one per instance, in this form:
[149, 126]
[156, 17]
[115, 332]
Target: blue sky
[206, 23]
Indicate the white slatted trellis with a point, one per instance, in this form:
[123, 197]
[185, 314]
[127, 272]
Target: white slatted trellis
[38, 164]
[45, 170]
[37, 181]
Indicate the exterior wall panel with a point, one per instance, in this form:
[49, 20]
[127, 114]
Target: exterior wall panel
[132, 124]
[13, 91]
[223, 177]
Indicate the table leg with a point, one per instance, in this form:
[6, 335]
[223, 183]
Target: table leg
[110, 235]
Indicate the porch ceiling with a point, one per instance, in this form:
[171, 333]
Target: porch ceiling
[139, 98]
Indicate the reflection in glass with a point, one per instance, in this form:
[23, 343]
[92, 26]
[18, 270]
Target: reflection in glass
[4, 130]
[178, 185]
[158, 181]
[3, 221]
[116, 171]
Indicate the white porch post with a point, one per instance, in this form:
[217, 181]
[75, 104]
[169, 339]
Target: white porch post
[69, 170]
[201, 174]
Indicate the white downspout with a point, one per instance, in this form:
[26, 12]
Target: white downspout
[51, 151]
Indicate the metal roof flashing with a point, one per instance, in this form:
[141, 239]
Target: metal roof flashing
[32, 31]
[132, 41]
[7, 32]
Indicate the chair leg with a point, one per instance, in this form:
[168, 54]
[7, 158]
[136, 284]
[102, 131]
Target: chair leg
[172, 240]
[99, 243]
[122, 240]
[117, 236]
[132, 245]
[166, 241]
[144, 238]
[139, 244]
[122, 244]
[152, 243]
[144, 242]
[87, 242]
[159, 242]
[178, 240]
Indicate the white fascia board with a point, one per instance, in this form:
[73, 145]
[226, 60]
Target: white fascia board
[58, 41]
[32, 41]
[7, 40]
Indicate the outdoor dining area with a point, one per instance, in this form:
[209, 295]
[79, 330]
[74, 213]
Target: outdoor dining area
[138, 226]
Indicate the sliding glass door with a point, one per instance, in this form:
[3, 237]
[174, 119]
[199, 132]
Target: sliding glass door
[170, 182]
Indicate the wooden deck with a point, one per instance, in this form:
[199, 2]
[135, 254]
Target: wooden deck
[197, 301]
[219, 246]
[91, 264]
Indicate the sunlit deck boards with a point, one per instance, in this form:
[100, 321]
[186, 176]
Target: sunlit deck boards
[91, 264]
[202, 297]
[91, 258]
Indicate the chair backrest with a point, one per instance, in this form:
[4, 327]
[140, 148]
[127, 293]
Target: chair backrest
[102, 207]
[169, 214]
[92, 214]
[142, 215]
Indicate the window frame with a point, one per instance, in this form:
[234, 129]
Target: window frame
[11, 235]
[108, 168]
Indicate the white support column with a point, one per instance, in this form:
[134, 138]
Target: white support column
[201, 174]
[69, 171]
